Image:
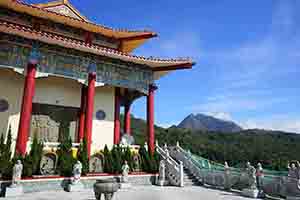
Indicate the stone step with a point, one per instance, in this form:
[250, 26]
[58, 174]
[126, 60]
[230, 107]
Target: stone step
[189, 179]
[187, 175]
[190, 184]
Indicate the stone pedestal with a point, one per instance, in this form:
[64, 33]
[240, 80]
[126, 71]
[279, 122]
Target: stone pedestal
[253, 193]
[125, 185]
[14, 191]
[77, 187]
[162, 182]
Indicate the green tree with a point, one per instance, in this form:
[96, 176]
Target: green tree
[128, 157]
[5, 158]
[35, 155]
[8, 144]
[108, 162]
[2, 144]
[145, 159]
[65, 158]
[82, 156]
[116, 154]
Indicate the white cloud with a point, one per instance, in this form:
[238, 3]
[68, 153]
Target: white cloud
[254, 62]
[274, 123]
[169, 124]
[232, 104]
[220, 115]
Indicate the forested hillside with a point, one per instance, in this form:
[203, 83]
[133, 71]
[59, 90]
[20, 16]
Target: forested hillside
[272, 148]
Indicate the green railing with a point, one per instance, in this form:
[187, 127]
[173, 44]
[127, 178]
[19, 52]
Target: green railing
[204, 163]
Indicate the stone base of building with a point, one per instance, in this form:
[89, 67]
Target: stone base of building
[292, 198]
[125, 185]
[77, 187]
[252, 193]
[62, 183]
[14, 191]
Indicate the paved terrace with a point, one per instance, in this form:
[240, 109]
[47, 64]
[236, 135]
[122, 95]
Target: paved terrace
[142, 192]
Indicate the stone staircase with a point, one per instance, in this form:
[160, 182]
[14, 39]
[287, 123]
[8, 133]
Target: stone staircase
[189, 179]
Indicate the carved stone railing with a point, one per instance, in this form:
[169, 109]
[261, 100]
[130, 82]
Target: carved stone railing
[273, 184]
[179, 154]
[174, 169]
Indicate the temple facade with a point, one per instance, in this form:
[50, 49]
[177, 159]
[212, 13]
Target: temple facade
[63, 76]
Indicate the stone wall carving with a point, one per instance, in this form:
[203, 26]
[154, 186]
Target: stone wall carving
[48, 164]
[96, 164]
[45, 128]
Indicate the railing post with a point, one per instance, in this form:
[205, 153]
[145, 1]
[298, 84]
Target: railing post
[181, 174]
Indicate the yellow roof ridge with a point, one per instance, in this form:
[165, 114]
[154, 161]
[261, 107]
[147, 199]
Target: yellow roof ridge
[61, 2]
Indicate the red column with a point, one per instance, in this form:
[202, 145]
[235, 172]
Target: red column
[127, 120]
[117, 116]
[26, 109]
[150, 118]
[90, 110]
[82, 114]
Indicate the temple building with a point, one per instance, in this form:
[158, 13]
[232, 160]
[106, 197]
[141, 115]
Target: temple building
[63, 76]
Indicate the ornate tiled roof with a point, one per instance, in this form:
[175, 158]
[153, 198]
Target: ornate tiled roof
[130, 38]
[62, 7]
[156, 64]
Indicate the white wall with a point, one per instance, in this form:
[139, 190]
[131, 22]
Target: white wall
[11, 89]
[56, 91]
[103, 130]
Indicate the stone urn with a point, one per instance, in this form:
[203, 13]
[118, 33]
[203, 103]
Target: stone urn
[107, 187]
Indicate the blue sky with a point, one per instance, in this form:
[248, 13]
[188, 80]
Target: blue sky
[247, 54]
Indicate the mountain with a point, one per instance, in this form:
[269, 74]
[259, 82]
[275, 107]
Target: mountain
[274, 149]
[208, 123]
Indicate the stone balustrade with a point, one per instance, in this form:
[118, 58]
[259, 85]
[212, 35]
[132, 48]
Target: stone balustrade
[233, 178]
[174, 170]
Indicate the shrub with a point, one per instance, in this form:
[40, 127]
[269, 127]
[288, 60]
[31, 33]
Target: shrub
[35, 155]
[128, 156]
[65, 158]
[116, 154]
[5, 155]
[145, 160]
[155, 160]
[29, 166]
[82, 156]
[149, 162]
[108, 162]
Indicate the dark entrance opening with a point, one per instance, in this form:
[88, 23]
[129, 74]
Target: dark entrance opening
[52, 123]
